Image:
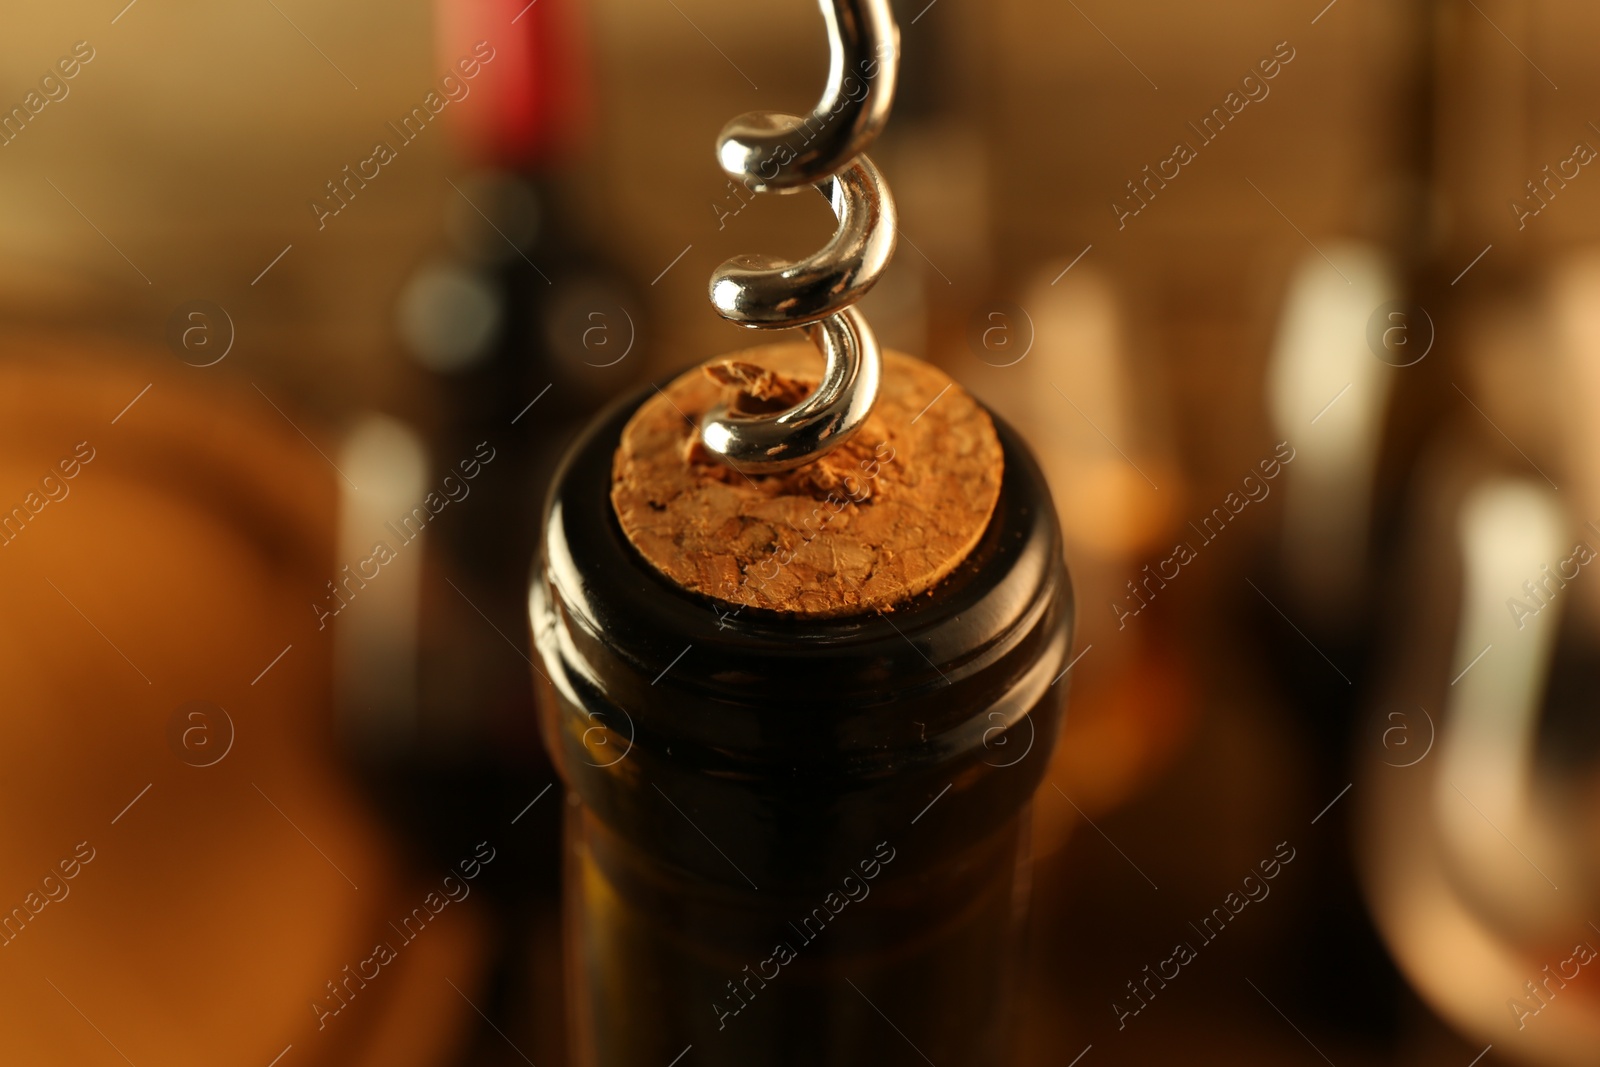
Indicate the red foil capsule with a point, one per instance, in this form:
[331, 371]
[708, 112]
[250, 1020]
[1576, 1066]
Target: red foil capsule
[530, 103]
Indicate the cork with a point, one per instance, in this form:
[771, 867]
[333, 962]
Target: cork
[881, 519]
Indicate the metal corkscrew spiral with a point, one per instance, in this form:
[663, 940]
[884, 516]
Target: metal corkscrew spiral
[772, 152]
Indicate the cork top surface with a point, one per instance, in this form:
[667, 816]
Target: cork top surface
[879, 520]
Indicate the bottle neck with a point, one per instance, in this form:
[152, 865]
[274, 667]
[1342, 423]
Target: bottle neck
[769, 721]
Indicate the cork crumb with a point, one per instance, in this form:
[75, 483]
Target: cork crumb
[747, 389]
[757, 390]
[750, 389]
[879, 520]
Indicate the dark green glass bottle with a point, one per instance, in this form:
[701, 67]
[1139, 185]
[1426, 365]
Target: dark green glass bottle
[795, 841]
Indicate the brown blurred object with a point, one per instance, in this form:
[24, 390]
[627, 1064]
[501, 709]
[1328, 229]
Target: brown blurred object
[1122, 730]
[1478, 851]
[1063, 368]
[223, 892]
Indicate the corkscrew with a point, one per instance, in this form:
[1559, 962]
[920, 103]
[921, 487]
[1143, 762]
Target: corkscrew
[773, 152]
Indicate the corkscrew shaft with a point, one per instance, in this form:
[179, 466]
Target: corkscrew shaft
[772, 152]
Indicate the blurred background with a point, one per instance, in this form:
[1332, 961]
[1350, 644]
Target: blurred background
[1298, 304]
